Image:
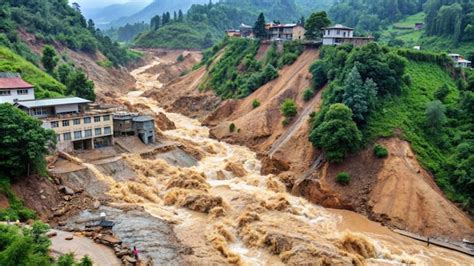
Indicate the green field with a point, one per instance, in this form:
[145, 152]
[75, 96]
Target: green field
[409, 36]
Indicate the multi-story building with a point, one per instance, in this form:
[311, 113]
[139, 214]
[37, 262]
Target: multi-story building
[459, 61]
[128, 124]
[285, 32]
[13, 88]
[78, 126]
[340, 34]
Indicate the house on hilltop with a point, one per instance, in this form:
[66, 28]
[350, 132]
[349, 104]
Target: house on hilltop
[285, 32]
[13, 88]
[340, 34]
[459, 61]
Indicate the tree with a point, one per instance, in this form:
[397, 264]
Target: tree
[435, 116]
[175, 16]
[85, 261]
[442, 92]
[180, 16]
[63, 72]
[91, 25]
[259, 28]
[337, 134]
[155, 22]
[314, 25]
[207, 41]
[49, 59]
[23, 144]
[79, 85]
[359, 97]
[288, 108]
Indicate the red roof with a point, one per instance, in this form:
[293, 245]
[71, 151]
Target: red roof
[14, 83]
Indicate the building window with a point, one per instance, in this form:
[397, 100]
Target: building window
[77, 134]
[96, 119]
[4, 93]
[98, 131]
[67, 136]
[22, 92]
[106, 117]
[107, 130]
[54, 124]
[88, 133]
[77, 121]
[87, 120]
[338, 32]
[65, 123]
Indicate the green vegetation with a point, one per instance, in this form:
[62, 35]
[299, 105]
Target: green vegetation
[308, 94]
[314, 25]
[49, 59]
[232, 127]
[403, 33]
[335, 132]
[380, 151]
[289, 110]
[237, 73]
[58, 22]
[255, 103]
[180, 58]
[259, 28]
[343, 178]
[16, 209]
[45, 85]
[23, 144]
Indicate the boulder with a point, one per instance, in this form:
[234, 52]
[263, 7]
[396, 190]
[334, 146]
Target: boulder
[51, 234]
[111, 240]
[69, 238]
[66, 190]
[130, 259]
[236, 168]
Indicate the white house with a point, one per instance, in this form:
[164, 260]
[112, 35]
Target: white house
[459, 61]
[340, 34]
[13, 88]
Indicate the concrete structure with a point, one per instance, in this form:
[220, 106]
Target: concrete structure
[246, 31]
[127, 124]
[285, 32]
[459, 61]
[13, 89]
[233, 33]
[340, 34]
[77, 125]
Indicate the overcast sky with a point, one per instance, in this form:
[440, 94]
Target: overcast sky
[102, 3]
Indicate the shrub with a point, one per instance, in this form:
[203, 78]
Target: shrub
[441, 92]
[407, 79]
[180, 58]
[288, 108]
[255, 103]
[308, 94]
[184, 72]
[232, 127]
[380, 151]
[343, 178]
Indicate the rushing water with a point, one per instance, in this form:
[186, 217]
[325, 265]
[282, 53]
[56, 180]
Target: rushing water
[227, 212]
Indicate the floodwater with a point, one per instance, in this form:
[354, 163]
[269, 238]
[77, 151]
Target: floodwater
[223, 211]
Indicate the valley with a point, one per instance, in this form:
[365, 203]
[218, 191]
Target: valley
[220, 198]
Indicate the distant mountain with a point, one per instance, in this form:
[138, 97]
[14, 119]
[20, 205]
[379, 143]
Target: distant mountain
[105, 15]
[157, 7]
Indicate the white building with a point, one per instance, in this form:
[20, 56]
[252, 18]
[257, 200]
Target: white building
[77, 124]
[13, 89]
[340, 34]
[459, 61]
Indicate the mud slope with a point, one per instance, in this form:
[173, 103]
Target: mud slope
[183, 96]
[111, 80]
[396, 191]
[261, 128]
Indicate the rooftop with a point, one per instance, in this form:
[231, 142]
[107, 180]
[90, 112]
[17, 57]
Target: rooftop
[283, 25]
[142, 118]
[52, 102]
[339, 27]
[12, 82]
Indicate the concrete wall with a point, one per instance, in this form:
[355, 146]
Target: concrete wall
[298, 33]
[15, 96]
[338, 33]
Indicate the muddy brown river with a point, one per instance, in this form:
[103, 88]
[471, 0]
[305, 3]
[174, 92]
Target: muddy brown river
[221, 210]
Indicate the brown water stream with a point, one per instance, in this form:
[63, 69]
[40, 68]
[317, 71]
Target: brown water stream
[227, 212]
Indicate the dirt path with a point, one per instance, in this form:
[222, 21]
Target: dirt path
[313, 105]
[82, 246]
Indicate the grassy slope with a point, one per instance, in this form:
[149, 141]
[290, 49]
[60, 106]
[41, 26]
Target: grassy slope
[407, 113]
[407, 35]
[45, 85]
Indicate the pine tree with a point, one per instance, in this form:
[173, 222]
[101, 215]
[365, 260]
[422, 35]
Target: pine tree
[49, 59]
[175, 16]
[180, 16]
[358, 97]
[155, 22]
[259, 28]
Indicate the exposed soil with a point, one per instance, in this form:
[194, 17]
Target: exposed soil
[261, 128]
[396, 191]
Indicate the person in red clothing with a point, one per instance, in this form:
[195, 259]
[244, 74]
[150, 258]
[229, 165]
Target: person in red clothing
[135, 252]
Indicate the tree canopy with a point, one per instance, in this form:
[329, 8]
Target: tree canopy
[315, 23]
[259, 28]
[23, 144]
